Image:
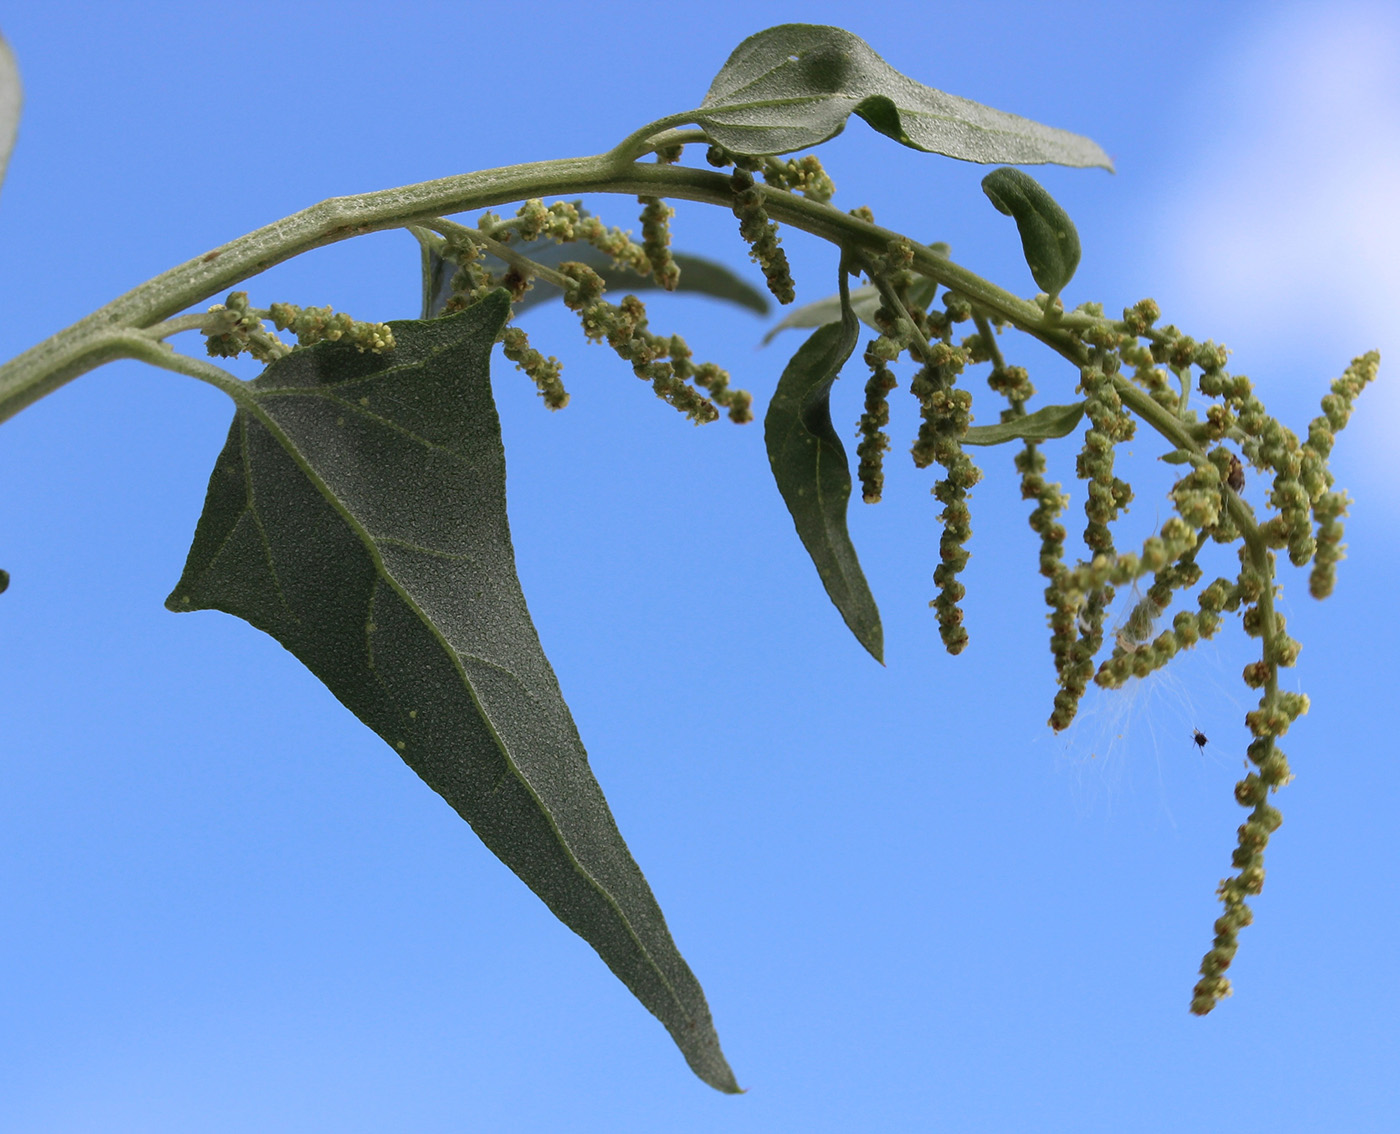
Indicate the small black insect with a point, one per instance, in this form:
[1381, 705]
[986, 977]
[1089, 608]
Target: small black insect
[1198, 738]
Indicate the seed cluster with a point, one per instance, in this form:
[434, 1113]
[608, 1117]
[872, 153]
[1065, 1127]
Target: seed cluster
[945, 412]
[874, 441]
[544, 372]
[656, 241]
[663, 361]
[233, 327]
[1131, 371]
[698, 391]
[761, 234]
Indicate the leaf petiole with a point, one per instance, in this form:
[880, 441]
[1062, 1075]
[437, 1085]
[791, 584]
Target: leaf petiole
[501, 251]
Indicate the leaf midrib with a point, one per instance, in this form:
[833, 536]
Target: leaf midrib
[250, 403]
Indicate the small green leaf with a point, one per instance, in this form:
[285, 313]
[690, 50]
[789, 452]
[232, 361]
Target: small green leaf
[795, 85]
[358, 515]
[11, 100]
[1049, 239]
[809, 464]
[865, 301]
[1045, 424]
[698, 275]
[1176, 457]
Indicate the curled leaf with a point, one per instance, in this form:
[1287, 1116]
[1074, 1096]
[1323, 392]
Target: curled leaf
[357, 514]
[809, 465]
[795, 85]
[1049, 239]
[1046, 424]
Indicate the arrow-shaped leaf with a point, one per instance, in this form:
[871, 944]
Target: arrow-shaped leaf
[795, 85]
[11, 99]
[809, 464]
[357, 514]
[1045, 424]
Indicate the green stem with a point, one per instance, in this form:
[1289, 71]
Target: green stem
[984, 329]
[98, 338]
[177, 325]
[158, 354]
[1179, 435]
[643, 140]
[500, 251]
[669, 138]
[896, 305]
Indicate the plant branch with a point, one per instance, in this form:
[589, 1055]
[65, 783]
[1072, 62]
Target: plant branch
[989, 342]
[643, 140]
[501, 251]
[144, 349]
[193, 322]
[89, 343]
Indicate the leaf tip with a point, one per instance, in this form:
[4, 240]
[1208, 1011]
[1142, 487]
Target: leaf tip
[874, 642]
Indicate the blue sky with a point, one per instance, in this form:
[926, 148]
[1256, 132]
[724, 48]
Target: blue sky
[230, 907]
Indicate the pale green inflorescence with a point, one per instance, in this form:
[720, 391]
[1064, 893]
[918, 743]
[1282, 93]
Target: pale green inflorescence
[1131, 372]
[233, 327]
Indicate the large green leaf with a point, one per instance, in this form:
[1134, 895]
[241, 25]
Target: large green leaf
[795, 85]
[357, 514]
[11, 98]
[809, 464]
[1049, 240]
[698, 275]
[1045, 424]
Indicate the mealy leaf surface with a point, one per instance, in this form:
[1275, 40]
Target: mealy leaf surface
[357, 514]
[795, 85]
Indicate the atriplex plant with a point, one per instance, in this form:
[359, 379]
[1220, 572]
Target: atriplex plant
[357, 511]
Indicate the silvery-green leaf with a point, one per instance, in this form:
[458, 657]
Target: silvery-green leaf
[357, 514]
[795, 85]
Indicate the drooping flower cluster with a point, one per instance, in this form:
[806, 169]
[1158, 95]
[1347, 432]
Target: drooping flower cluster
[1131, 372]
[698, 391]
[233, 327]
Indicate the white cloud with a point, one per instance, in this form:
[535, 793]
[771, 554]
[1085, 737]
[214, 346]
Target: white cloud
[1292, 205]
